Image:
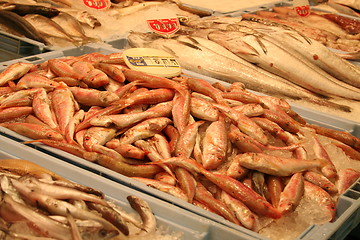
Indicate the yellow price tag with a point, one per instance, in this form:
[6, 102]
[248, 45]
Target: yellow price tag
[152, 61]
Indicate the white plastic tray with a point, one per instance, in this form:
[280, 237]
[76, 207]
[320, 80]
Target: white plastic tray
[174, 219]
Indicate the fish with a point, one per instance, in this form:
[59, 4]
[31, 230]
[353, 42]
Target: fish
[61, 192]
[215, 144]
[15, 24]
[313, 51]
[292, 194]
[204, 196]
[64, 106]
[145, 129]
[41, 105]
[350, 3]
[350, 25]
[34, 131]
[73, 27]
[322, 198]
[280, 61]
[343, 8]
[54, 34]
[43, 222]
[327, 38]
[59, 207]
[112, 216]
[84, 17]
[126, 120]
[314, 20]
[247, 218]
[277, 166]
[226, 69]
[93, 97]
[145, 212]
[23, 9]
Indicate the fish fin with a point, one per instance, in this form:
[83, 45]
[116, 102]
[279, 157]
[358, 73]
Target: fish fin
[171, 51]
[296, 37]
[189, 45]
[258, 40]
[193, 40]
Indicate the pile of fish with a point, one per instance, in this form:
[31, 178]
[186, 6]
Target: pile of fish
[218, 146]
[269, 58]
[71, 23]
[38, 204]
[332, 30]
[56, 27]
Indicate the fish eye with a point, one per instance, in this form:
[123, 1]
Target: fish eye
[103, 233]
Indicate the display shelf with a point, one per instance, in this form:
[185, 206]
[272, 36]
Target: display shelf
[348, 205]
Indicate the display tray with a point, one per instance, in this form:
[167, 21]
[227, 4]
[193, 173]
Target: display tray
[14, 47]
[84, 172]
[171, 220]
[348, 213]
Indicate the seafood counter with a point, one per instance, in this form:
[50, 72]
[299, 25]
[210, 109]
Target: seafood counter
[245, 160]
[257, 138]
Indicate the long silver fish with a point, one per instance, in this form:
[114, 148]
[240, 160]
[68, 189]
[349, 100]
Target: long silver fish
[194, 55]
[280, 61]
[312, 50]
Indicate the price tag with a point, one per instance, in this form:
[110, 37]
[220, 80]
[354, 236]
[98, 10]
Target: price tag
[152, 61]
[165, 26]
[302, 7]
[97, 4]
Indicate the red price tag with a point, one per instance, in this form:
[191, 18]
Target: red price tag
[303, 11]
[97, 4]
[165, 26]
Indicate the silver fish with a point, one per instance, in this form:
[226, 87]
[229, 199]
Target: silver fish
[313, 51]
[227, 69]
[278, 60]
